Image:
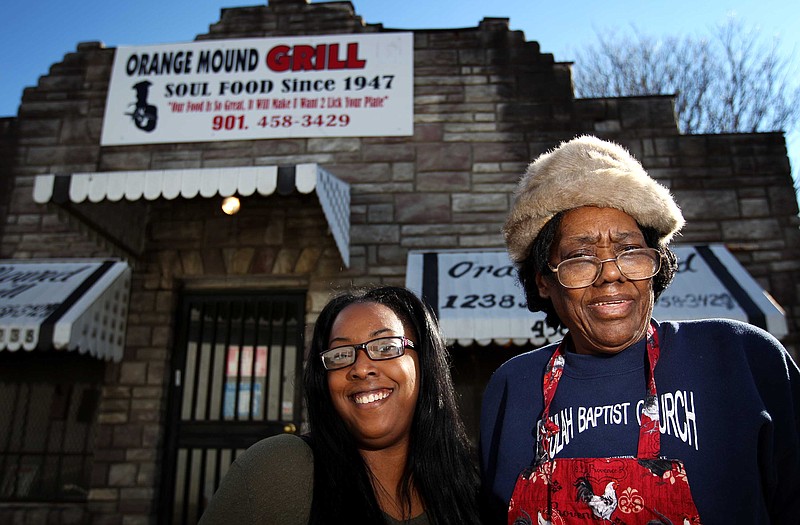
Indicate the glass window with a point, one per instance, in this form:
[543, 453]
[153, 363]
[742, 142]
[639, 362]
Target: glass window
[48, 404]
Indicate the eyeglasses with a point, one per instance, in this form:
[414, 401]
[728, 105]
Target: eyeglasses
[638, 264]
[379, 349]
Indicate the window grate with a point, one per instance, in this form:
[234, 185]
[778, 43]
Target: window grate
[46, 452]
[236, 370]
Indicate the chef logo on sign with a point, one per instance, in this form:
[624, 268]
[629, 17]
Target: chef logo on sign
[144, 115]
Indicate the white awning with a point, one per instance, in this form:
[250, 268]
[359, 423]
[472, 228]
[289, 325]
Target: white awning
[69, 304]
[478, 299]
[333, 193]
[711, 283]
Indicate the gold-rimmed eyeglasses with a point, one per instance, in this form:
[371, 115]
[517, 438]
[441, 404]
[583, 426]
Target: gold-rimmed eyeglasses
[580, 272]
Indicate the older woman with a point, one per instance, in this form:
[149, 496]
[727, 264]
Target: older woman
[387, 445]
[629, 419]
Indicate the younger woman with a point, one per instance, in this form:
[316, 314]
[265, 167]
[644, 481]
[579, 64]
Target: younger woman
[387, 445]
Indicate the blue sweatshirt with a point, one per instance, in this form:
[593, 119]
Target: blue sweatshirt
[729, 399]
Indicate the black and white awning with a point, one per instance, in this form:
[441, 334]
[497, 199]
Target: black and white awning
[66, 304]
[479, 300]
[149, 185]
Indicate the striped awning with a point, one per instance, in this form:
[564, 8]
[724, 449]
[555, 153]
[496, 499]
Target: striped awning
[479, 301]
[66, 304]
[333, 193]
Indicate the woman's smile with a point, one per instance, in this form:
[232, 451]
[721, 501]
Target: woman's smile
[611, 306]
[371, 398]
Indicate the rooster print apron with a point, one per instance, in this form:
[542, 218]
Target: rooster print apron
[646, 489]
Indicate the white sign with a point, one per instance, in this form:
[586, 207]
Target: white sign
[478, 298]
[354, 85]
[30, 292]
[710, 283]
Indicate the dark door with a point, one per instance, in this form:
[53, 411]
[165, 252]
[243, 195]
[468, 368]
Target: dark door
[235, 380]
[473, 366]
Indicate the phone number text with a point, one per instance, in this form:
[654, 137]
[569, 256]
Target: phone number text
[239, 122]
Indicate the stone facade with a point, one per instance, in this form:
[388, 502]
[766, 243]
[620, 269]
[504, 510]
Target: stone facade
[486, 102]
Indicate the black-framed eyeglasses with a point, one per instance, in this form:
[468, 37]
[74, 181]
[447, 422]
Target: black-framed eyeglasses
[580, 272]
[379, 349]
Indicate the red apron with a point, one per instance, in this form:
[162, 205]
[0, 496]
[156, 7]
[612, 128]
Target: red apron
[623, 490]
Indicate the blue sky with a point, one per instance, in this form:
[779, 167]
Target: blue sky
[34, 34]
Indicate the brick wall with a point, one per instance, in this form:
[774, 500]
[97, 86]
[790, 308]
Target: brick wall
[486, 102]
[7, 143]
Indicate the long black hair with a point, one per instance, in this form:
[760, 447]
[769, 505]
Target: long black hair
[539, 257]
[439, 464]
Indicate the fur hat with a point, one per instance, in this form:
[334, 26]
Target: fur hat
[587, 171]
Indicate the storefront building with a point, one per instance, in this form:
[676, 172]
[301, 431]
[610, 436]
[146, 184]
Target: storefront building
[147, 337]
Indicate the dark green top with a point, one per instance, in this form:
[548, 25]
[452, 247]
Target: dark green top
[271, 483]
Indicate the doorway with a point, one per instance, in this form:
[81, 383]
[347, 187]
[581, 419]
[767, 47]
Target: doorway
[236, 379]
[472, 367]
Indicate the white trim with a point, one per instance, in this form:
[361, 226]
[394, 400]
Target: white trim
[43, 188]
[333, 194]
[334, 197]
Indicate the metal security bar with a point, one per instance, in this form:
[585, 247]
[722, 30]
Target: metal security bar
[48, 409]
[236, 371]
